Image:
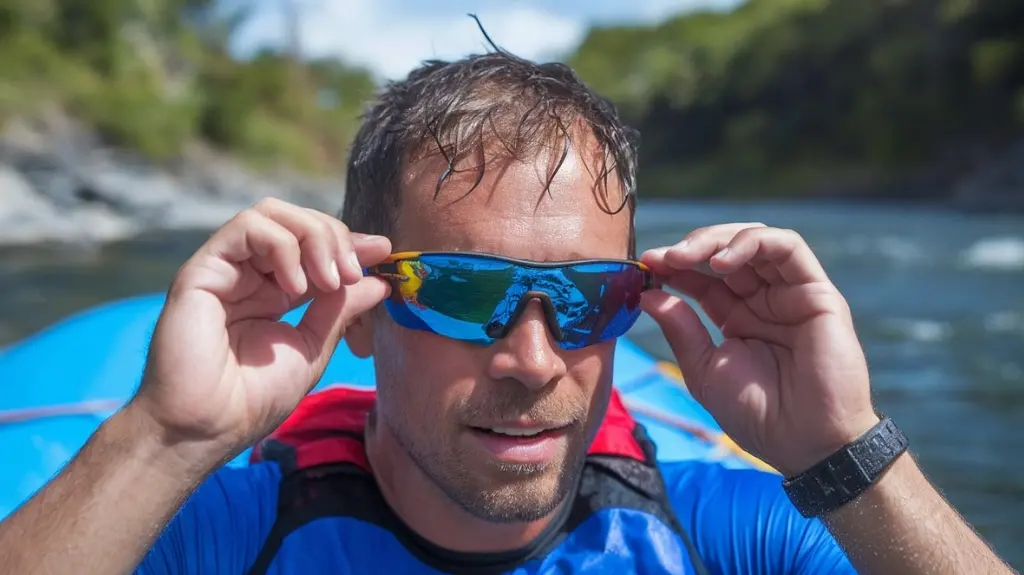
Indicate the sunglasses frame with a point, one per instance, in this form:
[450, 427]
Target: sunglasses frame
[409, 255]
[550, 313]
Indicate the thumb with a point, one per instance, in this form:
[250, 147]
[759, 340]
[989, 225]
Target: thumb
[325, 320]
[689, 339]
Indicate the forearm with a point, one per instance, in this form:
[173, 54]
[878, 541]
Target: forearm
[104, 510]
[903, 525]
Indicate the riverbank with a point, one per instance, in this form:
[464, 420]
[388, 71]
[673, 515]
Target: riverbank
[59, 182]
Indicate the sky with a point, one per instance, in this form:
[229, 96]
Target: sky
[392, 36]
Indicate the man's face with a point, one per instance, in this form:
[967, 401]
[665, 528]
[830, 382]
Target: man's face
[441, 398]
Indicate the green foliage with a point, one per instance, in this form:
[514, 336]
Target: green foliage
[154, 75]
[791, 96]
[773, 97]
[132, 112]
[35, 75]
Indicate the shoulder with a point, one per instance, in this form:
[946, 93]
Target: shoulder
[222, 525]
[742, 521]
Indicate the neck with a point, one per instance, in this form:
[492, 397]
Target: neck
[429, 512]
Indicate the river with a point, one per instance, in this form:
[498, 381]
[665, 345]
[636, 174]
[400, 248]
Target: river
[938, 299]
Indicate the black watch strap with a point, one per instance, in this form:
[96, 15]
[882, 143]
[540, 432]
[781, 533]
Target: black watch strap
[847, 473]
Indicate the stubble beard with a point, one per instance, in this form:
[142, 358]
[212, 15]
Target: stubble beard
[503, 492]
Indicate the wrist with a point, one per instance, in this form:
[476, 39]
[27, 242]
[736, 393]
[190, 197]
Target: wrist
[144, 441]
[829, 443]
[848, 473]
[900, 480]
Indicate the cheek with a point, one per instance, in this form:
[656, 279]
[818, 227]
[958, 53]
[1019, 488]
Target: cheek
[591, 368]
[420, 377]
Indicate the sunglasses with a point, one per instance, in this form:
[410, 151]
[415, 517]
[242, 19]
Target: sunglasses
[478, 298]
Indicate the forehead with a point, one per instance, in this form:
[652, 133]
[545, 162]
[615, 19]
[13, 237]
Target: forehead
[540, 207]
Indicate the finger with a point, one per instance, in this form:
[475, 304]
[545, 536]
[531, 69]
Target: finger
[755, 317]
[747, 324]
[768, 272]
[316, 237]
[745, 282]
[343, 247]
[370, 250]
[712, 294]
[686, 335]
[324, 322]
[655, 259]
[696, 248]
[253, 236]
[266, 302]
[783, 249]
[342, 252]
[353, 250]
[794, 304]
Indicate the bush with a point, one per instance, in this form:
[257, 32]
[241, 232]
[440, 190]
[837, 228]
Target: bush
[155, 76]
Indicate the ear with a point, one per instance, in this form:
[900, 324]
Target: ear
[359, 335]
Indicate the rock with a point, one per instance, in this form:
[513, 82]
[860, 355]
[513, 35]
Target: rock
[24, 215]
[58, 182]
[28, 217]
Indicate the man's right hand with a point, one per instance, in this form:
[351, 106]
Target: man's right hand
[223, 371]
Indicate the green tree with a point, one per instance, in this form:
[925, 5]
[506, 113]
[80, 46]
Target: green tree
[798, 96]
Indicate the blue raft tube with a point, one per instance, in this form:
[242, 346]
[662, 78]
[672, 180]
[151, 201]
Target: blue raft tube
[58, 385]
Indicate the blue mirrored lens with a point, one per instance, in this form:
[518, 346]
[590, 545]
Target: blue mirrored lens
[476, 298]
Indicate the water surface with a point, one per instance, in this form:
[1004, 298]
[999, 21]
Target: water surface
[938, 299]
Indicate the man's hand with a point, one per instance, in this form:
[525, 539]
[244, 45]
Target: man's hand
[790, 382]
[223, 370]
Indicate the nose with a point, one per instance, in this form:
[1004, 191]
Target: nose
[528, 354]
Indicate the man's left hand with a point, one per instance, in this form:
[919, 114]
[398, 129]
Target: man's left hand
[790, 382]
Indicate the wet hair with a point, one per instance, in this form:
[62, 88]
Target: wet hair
[461, 109]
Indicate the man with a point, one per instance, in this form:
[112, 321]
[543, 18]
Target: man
[498, 447]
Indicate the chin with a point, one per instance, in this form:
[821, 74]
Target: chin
[510, 493]
[519, 499]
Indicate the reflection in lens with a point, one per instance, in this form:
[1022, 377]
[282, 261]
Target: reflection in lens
[473, 298]
[457, 288]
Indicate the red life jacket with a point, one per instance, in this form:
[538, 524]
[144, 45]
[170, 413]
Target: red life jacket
[325, 472]
[327, 428]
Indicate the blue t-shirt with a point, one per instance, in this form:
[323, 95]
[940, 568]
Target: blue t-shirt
[739, 521]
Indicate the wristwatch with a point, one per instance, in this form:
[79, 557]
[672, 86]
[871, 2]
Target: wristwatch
[846, 474]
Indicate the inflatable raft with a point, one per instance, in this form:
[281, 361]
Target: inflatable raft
[57, 386]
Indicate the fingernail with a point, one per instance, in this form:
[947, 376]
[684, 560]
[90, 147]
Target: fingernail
[722, 254]
[683, 245]
[300, 281]
[353, 264]
[335, 274]
[367, 239]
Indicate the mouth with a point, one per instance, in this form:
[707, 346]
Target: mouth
[535, 445]
[519, 431]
